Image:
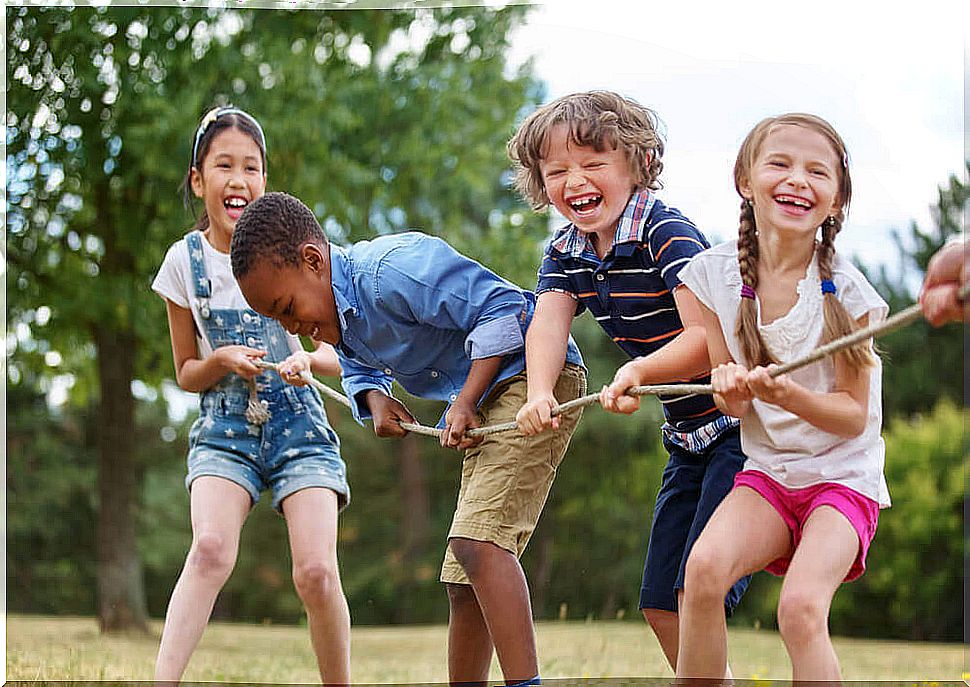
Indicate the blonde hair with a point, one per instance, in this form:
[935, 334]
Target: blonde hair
[837, 321]
[596, 119]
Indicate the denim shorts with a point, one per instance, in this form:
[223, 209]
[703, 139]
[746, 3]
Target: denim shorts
[296, 449]
[692, 486]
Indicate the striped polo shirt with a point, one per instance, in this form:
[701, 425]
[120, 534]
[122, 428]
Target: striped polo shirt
[630, 294]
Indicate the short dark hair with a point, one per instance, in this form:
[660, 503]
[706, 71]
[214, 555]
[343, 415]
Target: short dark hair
[273, 227]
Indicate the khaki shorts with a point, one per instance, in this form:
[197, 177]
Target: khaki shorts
[505, 480]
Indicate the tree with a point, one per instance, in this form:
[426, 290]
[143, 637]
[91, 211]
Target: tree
[920, 360]
[379, 119]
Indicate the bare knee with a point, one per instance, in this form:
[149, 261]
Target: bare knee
[469, 554]
[317, 582]
[461, 597]
[802, 617]
[212, 556]
[707, 577]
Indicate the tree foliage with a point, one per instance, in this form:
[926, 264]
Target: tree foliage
[922, 363]
[381, 121]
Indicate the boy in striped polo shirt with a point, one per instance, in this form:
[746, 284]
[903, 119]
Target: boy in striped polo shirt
[596, 158]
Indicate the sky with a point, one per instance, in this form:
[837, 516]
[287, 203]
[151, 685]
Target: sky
[892, 83]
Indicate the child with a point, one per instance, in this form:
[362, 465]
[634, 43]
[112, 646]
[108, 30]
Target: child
[282, 442]
[407, 307]
[596, 158]
[808, 499]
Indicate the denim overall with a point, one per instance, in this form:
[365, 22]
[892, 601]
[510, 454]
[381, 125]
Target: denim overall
[295, 448]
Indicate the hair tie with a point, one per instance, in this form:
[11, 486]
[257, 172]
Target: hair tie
[214, 114]
[747, 292]
[828, 286]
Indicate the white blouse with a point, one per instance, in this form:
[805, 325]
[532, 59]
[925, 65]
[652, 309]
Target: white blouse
[775, 441]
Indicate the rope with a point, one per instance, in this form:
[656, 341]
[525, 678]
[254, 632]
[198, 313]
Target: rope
[890, 324]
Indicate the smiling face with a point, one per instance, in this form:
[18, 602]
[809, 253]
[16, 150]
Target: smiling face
[589, 188]
[793, 181]
[300, 297]
[229, 178]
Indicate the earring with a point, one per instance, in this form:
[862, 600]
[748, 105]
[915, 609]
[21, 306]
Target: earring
[830, 221]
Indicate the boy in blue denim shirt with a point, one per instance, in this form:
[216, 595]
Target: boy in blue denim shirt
[408, 307]
[596, 158]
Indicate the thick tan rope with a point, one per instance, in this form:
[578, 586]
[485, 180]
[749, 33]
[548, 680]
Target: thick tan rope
[890, 324]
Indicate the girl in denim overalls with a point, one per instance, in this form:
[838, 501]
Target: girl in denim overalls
[256, 429]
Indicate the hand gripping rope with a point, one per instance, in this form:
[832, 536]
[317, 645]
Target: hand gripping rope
[890, 324]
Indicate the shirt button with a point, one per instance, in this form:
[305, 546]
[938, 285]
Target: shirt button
[387, 370]
[251, 341]
[453, 398]
[434, 373]
[600, 277]
[247, 318]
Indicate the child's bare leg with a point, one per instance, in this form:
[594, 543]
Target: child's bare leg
[311, 518]
[665, 626]
[824, 556]
[469, 643]
[218, 510]
[503, 596]
[718, 559]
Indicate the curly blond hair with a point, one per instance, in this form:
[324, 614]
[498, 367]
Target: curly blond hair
[596, 119]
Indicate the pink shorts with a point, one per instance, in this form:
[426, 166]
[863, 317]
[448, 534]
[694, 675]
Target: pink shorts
[795, 505]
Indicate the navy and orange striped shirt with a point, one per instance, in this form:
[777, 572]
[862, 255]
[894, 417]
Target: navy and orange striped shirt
[630, 294]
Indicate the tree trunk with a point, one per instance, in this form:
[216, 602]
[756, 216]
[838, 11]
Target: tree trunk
[121, 591]
[415, 521]
[541, 546]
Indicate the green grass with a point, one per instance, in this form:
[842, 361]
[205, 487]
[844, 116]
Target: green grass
[47, 648]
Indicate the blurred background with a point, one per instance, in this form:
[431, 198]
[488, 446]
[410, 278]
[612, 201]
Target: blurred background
[385, 120]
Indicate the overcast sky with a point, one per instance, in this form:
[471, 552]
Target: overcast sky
[891, 81]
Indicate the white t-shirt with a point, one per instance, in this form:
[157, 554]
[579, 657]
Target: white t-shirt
[775, 441]
[174, 281]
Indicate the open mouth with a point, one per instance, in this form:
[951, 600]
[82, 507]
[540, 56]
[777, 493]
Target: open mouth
[586, 204]
[314, 331]
[235, 205]
[794, 202]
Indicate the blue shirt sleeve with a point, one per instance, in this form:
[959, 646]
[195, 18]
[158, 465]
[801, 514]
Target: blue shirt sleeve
[357, 378]
[673, 241]
[429, 282]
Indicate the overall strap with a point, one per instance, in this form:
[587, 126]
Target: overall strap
[200, 277]
[257, 410]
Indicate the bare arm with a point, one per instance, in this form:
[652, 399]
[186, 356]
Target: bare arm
[545, 354]
[321, 361]
[683, 358]
[463, 413]
[193, 374]
[728, 379]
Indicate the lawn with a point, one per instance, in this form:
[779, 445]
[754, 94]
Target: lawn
[47, 648]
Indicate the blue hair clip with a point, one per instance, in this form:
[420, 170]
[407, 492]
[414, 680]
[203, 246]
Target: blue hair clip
[214, 114]
[828, 286]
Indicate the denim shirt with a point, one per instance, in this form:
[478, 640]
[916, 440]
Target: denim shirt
[414, 310]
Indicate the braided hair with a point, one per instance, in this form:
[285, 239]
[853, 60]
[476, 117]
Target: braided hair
[837, 321]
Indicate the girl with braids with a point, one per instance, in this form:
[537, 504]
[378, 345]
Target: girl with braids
[807, 501]
[256, 429]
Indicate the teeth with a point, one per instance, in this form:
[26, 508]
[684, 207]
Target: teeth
[313, 334]
[794, 201]
[580, 204]
[236, 203]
